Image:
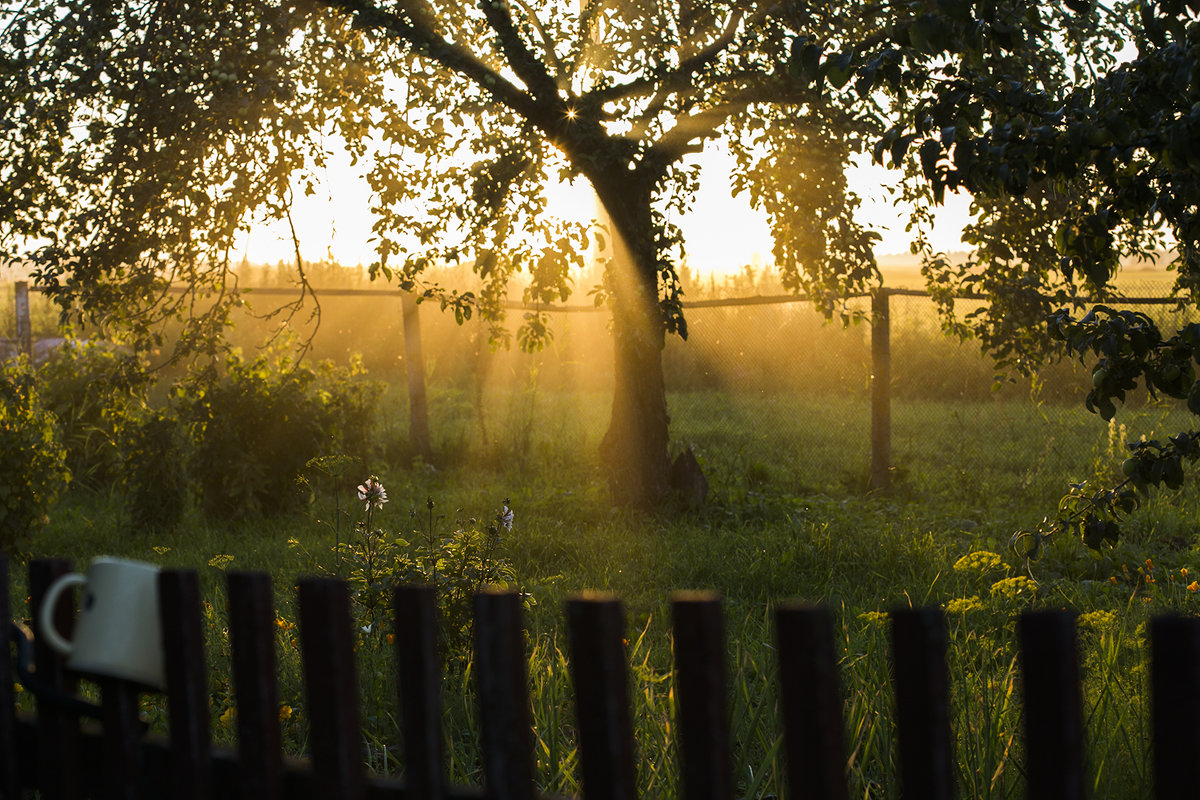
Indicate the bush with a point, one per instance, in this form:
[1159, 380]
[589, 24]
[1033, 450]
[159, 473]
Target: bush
[94, 390]
[156, 477]
[32, 460]
[255, 424]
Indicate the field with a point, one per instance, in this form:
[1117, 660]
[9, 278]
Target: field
[772, 400]
[789, 518]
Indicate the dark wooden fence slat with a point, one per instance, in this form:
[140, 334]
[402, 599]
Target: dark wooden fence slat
[600, 673]
[503, 686]
[701, 696]
[252, 652]
[420, 687]
[331, 688]
[1175, 697]
[922, 704]
[120, 745]
[10, 777]
[810, 703]
[1053, 706]
[59, 775]
[187, 682]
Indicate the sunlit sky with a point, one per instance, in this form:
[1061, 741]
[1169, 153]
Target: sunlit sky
[722, 233]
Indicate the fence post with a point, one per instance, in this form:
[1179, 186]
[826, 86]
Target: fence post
[922, 689]
[810, 703]
[414, 365]
[58, 769]
[1175, 694]
[600, 673]
[10, 779]
[881, 386]
[506, 720]
[1053, 706]
[252, 648]
[24, 326]
[419, 671]
[700, 692]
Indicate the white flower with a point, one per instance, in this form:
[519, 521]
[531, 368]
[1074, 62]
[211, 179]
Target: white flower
[506, 518]
[372, 492]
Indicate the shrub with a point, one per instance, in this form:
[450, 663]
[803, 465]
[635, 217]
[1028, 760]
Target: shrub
[155, 476]
[94, 390]
[32, 460]
[255, 424]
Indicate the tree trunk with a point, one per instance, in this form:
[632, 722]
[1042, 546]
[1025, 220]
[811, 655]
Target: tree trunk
[634, 449]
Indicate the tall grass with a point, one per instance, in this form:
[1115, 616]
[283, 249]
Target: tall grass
[788, 519]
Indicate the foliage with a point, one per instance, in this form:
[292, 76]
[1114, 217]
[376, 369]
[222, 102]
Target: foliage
[257, 423]
[33, 470]
[459, 116]
[457, 565]
[1076, 157]
[155, 478]
[95, 389]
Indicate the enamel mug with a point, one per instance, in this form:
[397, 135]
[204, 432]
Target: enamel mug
[117, 631]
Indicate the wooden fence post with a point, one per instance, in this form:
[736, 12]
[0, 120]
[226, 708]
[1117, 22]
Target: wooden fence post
[810, 703]
[24, 326]
[503, 683]
[331, 689]
[58, 769]
[700, 696]
[1053, 706]
[1175, 695]
[881, 389]
[922, 688]
[420, 677]
[600, 673]
[10, 783]
[187, 682]
[414, 366]
[252, 651]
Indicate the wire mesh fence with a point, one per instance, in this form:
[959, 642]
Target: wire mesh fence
[754, 376]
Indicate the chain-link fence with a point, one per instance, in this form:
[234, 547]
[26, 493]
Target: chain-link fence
[764, 387]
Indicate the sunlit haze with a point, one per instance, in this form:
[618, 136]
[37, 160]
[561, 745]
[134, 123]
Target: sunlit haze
[723, 233]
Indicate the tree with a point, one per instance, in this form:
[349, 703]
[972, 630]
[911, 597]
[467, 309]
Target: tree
[139, 139]
[1075, 160]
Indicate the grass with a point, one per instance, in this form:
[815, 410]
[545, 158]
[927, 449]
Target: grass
[789, 518]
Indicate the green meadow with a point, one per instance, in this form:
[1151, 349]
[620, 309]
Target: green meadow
[789, 516]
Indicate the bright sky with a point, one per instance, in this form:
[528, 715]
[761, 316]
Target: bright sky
[722, 233]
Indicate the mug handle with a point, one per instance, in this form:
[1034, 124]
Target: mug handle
[46, 614]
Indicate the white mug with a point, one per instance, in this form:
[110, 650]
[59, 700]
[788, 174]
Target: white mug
[117, 630]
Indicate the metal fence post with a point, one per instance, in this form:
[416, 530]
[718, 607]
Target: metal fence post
[414, 365]
[881, 380]
[24, 327]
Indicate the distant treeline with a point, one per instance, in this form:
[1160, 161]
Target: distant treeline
[785, 347]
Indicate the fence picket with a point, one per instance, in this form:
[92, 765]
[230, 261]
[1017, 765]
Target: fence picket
[187, 682]
[1175, 698]
[600, 673]
[120, 747]
[922, 704]
[700, 696]
[331, 689]
[10, 779]
[420, 688]
[119, 763]
[59, 773]
[1053, 706]
[252, 652]
[503, 685]
[810, 703]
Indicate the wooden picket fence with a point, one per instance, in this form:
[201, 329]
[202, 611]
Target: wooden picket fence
[55, 755]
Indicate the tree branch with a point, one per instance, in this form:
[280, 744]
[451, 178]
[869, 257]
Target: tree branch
[524, 63]
[547, 43]
[430, 44]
